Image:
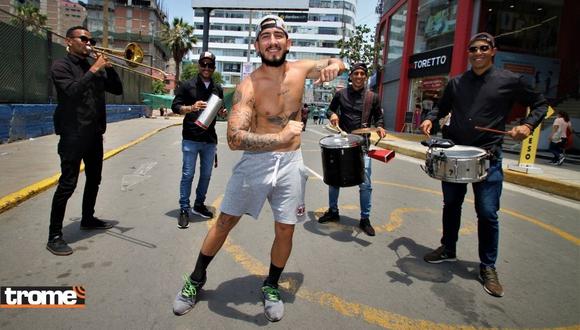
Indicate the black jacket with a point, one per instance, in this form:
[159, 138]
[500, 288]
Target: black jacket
[348, 105]
[187, 94]
[81, 96]
[486, 101]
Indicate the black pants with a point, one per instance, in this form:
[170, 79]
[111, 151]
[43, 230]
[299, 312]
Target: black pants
[557, 149]
[73, 149]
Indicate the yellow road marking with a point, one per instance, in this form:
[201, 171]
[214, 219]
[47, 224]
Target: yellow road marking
[565, 235]
[550, 228]
[367, 313]
[9, 201]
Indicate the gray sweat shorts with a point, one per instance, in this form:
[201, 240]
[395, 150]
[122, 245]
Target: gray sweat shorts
[279, 177]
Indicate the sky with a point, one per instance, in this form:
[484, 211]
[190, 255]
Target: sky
[182, 8]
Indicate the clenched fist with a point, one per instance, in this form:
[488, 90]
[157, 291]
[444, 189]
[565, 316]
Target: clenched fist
[291, 130]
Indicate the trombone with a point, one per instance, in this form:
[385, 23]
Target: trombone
[132, 55]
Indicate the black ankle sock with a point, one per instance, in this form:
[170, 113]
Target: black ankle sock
[200, 267]
[274, 275]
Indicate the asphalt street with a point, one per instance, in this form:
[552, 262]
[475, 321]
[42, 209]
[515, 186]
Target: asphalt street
[336, 278]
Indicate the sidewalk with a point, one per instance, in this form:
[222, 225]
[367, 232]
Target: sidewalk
[31, 166]
[558, 180]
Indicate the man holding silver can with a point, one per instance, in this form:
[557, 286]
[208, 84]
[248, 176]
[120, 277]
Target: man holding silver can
[191, 99]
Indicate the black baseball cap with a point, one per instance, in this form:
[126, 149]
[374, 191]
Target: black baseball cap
[483, 36]
[358, 66]
[208, 55]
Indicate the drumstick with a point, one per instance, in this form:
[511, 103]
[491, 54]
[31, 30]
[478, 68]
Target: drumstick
[491, 130]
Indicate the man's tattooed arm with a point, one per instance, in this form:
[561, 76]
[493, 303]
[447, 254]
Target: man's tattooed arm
[315, 73]
[240, 123]
[317, 68]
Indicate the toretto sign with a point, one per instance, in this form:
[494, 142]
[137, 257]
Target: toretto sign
[430, 63]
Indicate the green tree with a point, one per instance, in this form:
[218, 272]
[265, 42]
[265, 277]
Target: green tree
[192, 69]
[361, 47]
[179, 39]
[158, 87]
[30, 16]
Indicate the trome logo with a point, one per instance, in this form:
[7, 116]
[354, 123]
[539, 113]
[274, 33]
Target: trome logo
[42, 297]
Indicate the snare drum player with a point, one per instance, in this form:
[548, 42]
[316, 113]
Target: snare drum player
[347, 111]
[265, 123]
[482, 96]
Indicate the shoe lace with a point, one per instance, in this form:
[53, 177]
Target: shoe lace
[189, 290]
[490, 275]
[272, 294]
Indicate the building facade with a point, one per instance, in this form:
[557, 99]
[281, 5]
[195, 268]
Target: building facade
[60, 14]
[314, 35]
[132, 21]
[426, 43]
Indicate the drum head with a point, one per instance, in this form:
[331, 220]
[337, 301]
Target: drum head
[338, 141]
[459, 151]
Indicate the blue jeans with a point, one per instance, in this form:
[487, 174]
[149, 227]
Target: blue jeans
[365, 190]
[487, 195]
[191, 150]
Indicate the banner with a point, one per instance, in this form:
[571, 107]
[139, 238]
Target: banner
[530, 144]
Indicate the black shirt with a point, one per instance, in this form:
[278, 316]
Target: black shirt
[81, 96]
[187, 94]
[348, 105]
[486, 101]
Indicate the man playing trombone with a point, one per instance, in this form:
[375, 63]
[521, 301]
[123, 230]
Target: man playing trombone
[80, 120]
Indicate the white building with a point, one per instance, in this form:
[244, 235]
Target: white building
[328, 21]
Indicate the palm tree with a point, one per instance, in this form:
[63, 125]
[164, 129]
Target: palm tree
[30, 17]
[179, 39]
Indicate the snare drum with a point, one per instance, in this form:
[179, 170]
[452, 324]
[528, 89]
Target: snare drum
[460, 164]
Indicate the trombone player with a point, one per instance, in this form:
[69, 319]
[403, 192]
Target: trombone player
[80, 120]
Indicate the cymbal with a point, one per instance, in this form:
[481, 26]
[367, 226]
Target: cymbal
[366, 130]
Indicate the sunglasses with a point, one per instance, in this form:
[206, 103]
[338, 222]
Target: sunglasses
[86, 39]
[207, 65]
[483, 49]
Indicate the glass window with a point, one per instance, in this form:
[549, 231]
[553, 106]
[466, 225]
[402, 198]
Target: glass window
[327, 30]
[231, 67]
[435, 24]
[525, 27]
[396, 33]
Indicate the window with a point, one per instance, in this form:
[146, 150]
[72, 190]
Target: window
[231, 67]
[327, 30]
[435, 24]
[396, 34]
[541, 40]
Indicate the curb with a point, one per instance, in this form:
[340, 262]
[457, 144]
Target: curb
[11, 200]
[550, 186]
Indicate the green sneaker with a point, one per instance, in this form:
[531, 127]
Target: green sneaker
[273, 305]
[187, 296]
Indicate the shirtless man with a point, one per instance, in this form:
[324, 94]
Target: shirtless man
[265, 122]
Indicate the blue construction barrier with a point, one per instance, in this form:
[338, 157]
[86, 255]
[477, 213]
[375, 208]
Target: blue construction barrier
[24, 121]
[31, 120]
[5, 118]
